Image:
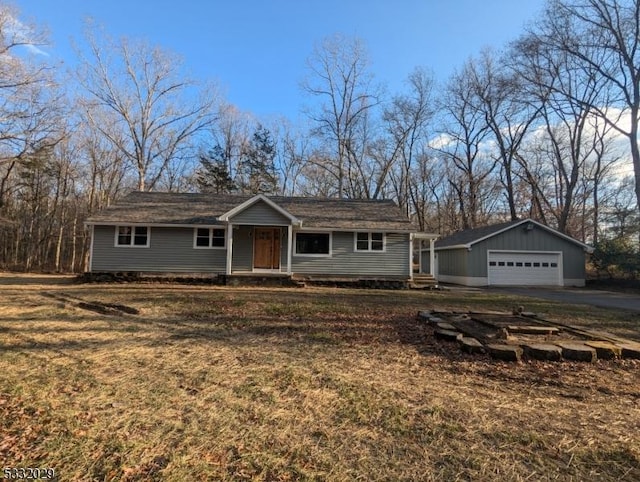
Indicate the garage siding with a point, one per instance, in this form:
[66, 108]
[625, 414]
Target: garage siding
[520, 239]
[451, 262]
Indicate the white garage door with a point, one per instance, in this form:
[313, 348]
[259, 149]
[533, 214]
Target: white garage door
[523, 268]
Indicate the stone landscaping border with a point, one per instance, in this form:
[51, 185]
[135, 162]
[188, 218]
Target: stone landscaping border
[507, 343]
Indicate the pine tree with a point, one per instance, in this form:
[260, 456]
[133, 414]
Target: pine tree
[257, 164]
[213, 175]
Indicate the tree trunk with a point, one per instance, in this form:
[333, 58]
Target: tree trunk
[74, 244]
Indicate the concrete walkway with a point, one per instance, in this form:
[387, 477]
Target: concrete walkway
[579, 296]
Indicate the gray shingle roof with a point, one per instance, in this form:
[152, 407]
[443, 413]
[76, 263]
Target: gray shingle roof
[188, 208]
[471, 236]
[468, 236]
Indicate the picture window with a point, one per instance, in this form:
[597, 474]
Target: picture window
[313, 244]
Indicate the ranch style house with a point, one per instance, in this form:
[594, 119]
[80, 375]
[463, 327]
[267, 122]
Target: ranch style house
[223, 235]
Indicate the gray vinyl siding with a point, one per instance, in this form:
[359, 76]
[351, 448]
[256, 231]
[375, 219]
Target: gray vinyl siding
[345, 262]
[537, 239]
[170, 250]
[260, 213]
[425, 266]
[451, 262]
[425, 263]
[242, 253]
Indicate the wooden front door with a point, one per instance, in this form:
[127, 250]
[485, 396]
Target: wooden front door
[266, 248]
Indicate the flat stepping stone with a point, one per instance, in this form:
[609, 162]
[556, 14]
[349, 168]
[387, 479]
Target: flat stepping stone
[578, 352]
[448, 335]
[462, 317]
[533, 330]
[446, 326]
[424, 315]
[505, 352]
[471, 345]
[434, 320]
[605, 350]
[543, 351]
[442, 312]
[630, 350]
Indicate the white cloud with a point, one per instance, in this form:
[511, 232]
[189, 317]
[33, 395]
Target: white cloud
[22, 34]
[36, 50]
[441, 141]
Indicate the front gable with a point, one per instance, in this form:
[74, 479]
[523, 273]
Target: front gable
[519, 232]
[259, 210]
[528, 232]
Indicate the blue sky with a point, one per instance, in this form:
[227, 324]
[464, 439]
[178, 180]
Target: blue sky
[256, 50]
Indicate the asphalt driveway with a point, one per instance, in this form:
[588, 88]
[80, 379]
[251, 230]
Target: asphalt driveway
[579, 296]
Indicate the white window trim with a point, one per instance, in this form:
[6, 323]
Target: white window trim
[133, 235]
[369, 240]
[195, 238]
[312, 255]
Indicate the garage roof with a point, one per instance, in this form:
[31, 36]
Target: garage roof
[469, 237]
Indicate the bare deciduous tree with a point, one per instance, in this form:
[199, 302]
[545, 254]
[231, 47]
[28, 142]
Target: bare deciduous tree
[28, 93]
[566, 93]
[508, 115]
[406, 122]
[338, 76]
[158, 111]
[603, 39]
[464, 132]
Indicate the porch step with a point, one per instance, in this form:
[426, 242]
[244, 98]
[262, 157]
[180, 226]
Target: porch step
[422, 281]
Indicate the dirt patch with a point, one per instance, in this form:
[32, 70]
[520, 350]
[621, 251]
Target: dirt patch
[9, 279]
[96, 306]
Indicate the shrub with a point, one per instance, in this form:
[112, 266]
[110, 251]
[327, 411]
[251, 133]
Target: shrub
[618, 257]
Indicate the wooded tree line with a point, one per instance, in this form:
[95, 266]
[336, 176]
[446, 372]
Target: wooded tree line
[545, 128]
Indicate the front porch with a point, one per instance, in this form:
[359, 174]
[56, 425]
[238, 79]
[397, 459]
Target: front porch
[257, 250]
[421, 278]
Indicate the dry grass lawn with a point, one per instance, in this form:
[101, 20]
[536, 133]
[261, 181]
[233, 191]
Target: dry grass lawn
[297, 384]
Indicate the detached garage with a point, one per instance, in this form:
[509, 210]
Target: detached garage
[517, 253]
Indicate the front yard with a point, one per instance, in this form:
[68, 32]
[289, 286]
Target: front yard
[194, 383]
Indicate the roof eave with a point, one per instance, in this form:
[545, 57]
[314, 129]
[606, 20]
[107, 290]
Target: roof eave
[454, 246]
